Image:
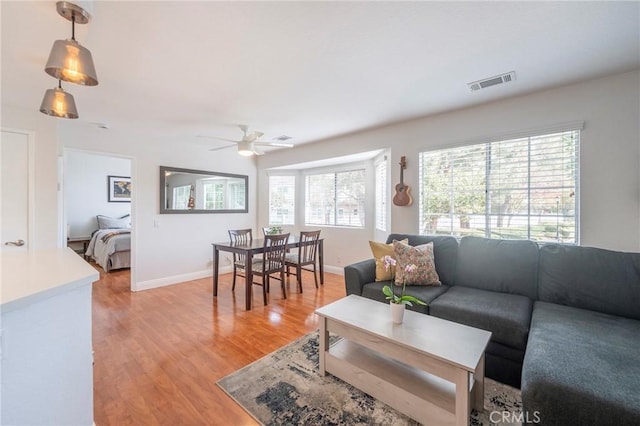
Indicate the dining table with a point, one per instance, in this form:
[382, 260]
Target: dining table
[249, 250]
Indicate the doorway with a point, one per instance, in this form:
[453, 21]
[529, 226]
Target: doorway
[98, 214]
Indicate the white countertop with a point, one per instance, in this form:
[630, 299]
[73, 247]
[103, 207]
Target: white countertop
[29, 276]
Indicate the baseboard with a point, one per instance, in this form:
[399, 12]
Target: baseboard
[338, 270]
[176, 279]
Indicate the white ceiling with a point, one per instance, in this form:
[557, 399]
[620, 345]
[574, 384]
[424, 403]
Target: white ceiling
[310, 70]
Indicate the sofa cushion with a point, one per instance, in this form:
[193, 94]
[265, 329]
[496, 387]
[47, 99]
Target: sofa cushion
[424, 293]
[506, 316]
[590, 359]
[420, 259]
[503, 370]
[591, 278]
[445, 252]
[379, 251]
[505, 266]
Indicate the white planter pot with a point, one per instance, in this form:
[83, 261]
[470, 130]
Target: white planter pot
[397, 312]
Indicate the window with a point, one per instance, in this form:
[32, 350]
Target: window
[524, 188]
[213, 195]
[381, 195]
[219, 194]
[181, 196]
[335, 198]
[282, 200]
[236, 194]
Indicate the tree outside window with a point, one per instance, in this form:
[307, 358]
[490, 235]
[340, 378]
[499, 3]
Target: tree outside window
[523, 188]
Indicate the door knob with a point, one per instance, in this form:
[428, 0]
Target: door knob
[17, 243]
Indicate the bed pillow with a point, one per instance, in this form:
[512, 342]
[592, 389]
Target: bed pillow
[379, 251]
[106, 222]
[420, 256]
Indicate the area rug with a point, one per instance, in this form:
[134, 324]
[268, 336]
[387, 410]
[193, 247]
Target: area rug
[284, 388]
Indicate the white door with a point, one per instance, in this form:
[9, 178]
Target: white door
[16, 183]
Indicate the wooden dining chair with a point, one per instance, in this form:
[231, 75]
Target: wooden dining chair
[272, 263]
[305, 256]
[241, 237]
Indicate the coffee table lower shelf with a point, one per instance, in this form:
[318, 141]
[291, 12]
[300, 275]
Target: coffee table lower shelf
[422, 396]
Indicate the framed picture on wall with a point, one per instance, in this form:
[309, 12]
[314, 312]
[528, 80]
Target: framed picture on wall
[119, 189]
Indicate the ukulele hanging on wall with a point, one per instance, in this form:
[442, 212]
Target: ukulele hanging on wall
[402, 197]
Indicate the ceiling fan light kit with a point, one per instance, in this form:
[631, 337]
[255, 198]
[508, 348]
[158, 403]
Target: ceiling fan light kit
[68, 61]
[245, 149]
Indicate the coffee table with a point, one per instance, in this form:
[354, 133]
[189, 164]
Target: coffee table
[428, 368]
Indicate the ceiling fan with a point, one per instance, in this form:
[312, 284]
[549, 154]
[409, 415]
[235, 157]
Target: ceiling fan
[247, 145]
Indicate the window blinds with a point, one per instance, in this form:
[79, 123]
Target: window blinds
[525, 188]
[381, 195]
[282, 200]
[335, 198]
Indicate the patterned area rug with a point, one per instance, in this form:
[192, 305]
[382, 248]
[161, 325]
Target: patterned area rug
[284, 388]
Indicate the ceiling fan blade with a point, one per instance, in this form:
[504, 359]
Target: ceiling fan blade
[220, 139]
[278, 144]
[249, 140]
[222, 147]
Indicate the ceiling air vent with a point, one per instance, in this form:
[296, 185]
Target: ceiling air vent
[492, 81]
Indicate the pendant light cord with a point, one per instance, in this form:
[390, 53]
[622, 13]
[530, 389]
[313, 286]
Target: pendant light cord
[73, 26]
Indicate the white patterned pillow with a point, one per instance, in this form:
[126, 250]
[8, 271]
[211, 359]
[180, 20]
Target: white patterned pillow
[421, 256]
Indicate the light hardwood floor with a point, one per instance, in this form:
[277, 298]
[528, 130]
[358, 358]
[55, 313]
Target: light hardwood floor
[159, 353]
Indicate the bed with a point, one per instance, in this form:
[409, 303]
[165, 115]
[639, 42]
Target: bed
[110, 246]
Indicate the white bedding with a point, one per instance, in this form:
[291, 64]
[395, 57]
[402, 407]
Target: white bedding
[107, 245]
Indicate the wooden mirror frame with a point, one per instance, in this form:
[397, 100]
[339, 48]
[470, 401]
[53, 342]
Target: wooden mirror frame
[166, 171]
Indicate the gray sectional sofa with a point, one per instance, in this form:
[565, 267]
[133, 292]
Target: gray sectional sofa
[565, 320]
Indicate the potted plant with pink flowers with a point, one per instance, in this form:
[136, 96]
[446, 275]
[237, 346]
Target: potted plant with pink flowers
[397, 303]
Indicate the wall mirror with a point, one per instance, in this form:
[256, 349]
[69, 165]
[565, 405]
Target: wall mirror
[199, 191]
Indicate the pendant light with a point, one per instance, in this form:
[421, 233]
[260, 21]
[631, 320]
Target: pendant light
[68, 60]
[58, 103]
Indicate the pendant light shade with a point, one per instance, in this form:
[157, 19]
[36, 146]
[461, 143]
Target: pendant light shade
[58, 103]
[69, 61]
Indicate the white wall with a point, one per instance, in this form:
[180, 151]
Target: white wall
[85, 190]
[167, 248]
[180, 249]
[609, 158]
